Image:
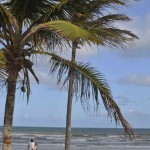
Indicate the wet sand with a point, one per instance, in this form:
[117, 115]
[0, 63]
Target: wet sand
[60, 147]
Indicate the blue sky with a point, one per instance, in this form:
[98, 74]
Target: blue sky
[127, 72]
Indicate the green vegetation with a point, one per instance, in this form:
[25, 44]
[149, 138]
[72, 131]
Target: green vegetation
[29, 28]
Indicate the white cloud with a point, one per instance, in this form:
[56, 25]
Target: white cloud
[131, 112]
[143, 31]
[140, 27]
[137, 115]
[136, 80]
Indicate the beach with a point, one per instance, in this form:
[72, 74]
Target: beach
[52, 147]
[82, 139]
[61, 147]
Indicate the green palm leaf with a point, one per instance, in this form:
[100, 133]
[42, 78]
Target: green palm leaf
[7, 18]
[108, 20]
[53, 11]
[2, 57]
[29, 8]
[113, 37]
[64, 29]
[3, 74]
[8, 27]
[89, 82]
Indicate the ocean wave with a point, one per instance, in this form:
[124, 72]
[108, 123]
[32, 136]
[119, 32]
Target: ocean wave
[81, 138]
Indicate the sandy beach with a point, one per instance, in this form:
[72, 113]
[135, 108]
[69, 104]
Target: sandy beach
[58, 147]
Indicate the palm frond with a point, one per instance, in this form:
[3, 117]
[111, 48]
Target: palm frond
[114, 37]
[108, 20]
[3, 77]
[2, 57]
[103, 4]
[25, 79]
[25, 83]
[7, 18]
[89, 82]
[9, 28]
[55, 12]
[3, 73]
[99, 6]
[64, 29]
[27, 9]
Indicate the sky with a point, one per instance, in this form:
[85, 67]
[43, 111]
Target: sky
[127, 72]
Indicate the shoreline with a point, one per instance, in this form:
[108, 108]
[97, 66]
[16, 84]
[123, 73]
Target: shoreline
[73, 147]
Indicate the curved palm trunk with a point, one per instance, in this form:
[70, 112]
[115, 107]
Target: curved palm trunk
[70, 98]
[9, 110]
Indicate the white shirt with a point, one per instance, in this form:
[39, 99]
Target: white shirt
[31, 146]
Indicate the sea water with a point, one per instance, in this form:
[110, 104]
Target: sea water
[82, 138]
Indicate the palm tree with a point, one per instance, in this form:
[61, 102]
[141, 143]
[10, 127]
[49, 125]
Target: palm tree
[26, 29]
[103, 26]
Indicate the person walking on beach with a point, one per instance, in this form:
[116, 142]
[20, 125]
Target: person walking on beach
[32, 145]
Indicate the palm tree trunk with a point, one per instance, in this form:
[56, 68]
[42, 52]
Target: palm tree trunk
[70, 98]
[9, 110]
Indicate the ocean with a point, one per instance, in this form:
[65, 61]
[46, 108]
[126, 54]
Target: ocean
[82, 138]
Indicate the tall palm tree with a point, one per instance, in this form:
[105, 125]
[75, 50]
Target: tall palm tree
[26, 29]
[92, 17]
